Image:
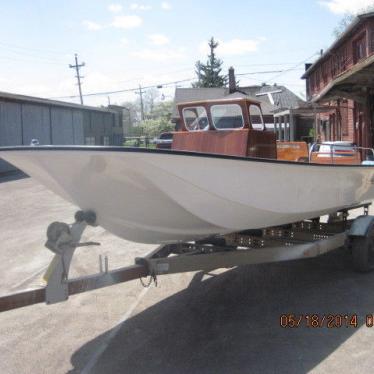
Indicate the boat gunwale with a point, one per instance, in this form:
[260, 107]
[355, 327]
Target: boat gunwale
[169, 152]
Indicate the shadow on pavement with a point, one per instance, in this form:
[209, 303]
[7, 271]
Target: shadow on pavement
[12, 176]
[230, 323]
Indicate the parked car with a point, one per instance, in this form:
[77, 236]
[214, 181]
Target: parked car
[338, 152]
[164, 141]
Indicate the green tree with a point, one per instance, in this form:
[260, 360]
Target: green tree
[131, 116]
[209, 74]
[154, 127]
[162, 109]
[157, 121]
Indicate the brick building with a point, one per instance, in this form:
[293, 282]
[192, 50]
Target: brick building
[342, 81]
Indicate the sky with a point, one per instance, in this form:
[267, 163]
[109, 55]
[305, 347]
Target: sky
[125, 44]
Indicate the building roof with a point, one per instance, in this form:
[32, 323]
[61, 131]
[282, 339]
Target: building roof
[282, 100]
[39, 100]
[355, 23]
[280, 97]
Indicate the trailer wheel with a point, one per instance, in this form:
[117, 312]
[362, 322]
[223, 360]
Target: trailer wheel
[363, 253]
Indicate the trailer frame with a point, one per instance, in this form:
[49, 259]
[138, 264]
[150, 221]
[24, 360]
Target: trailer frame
[300, 240]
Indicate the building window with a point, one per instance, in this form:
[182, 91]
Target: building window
[312, 83]
[317, 74]
[372, 41]
[343, 59]
[334, 63]
[325, 72]
[89, 140]
[359, 49]
[106, 140]
[344, 118]
[325, 125]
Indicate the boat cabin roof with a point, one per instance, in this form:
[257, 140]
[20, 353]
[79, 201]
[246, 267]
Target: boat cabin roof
[236, 100]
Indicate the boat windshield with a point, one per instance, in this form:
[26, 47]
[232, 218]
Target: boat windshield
[227, 116]
[255, 116]
[195, 118]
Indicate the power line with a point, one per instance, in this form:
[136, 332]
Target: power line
[30, 54]
[35, 55]
[272, 64]
[38, 50]
[292, 68]
[78, 76]
[126, 90]
[161, 85]
[32, 59]
[261, 72]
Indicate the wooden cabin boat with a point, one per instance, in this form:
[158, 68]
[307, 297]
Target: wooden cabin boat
[231, 127]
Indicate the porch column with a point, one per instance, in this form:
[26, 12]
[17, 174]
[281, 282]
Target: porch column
[277, 128]
[286, 129]
[292, 127]
[281, 130]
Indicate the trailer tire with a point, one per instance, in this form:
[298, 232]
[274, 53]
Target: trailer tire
[362, 253]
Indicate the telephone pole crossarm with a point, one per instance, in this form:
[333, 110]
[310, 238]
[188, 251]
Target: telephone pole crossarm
[77, 66]
[140, 93]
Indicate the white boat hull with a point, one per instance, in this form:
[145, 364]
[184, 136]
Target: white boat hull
[160, 196]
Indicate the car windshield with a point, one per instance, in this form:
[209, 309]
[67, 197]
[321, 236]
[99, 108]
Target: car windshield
[336, 148]
[166, 135]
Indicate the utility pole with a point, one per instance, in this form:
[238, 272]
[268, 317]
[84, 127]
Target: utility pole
[78, 76]
[141, 92]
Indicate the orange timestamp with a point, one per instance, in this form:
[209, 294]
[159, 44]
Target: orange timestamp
[329, 321]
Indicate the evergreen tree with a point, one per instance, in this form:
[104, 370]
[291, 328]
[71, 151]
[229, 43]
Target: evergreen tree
[209, 74]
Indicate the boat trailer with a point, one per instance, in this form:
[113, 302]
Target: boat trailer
[305, 239]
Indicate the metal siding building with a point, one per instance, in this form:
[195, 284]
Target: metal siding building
[23, 118]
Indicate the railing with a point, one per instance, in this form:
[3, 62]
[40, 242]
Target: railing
[356, 149]
[335, 68]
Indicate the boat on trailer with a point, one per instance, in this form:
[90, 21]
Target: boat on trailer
[226, 194]
[224, 174]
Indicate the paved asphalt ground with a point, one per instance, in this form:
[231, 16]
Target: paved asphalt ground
[224, 322]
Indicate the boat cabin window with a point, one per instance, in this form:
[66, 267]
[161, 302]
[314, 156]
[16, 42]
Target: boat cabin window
[195, 118]
[255, 116]
[227, 116]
